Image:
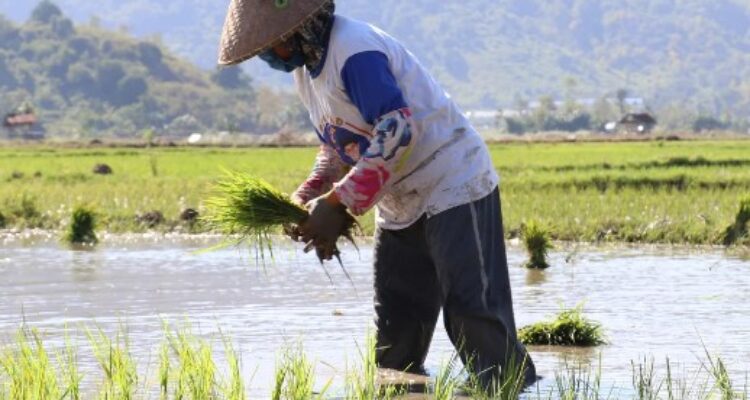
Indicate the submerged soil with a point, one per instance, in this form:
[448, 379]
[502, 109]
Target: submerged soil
[652, 302]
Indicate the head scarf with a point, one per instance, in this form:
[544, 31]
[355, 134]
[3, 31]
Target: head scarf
[312, 37]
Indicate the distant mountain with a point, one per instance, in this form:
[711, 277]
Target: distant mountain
[88, 81]
[491, 53]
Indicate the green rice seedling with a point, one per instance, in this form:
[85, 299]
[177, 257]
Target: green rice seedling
[279, 382]
[234, 388]
[295, 377]
[446, 385]
[113, 356]
[723, 387]
[30, 374]
[508, 386]
[363, 384]
[164, 370]
[644, 380]
[24, 212]
[537, 242]
[3, 222]
[739, 230]
[69, 369]
[569, 328]
[253, 209]
[154, 164]
[195, 369]
[577, 383]
[82, 228]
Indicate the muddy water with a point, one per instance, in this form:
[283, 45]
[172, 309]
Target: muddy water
[652, 302]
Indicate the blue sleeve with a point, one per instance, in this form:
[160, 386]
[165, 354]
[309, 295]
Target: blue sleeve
[371, 86]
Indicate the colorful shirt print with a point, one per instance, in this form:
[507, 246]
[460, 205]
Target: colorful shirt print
[367, 182]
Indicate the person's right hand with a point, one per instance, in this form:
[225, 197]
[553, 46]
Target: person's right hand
[328, 221]
[292, 231]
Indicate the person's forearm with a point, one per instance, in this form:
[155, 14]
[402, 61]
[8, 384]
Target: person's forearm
[327, 170]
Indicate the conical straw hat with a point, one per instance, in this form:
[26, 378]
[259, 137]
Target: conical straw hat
[252, 26]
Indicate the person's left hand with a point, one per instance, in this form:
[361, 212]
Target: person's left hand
[327, 222]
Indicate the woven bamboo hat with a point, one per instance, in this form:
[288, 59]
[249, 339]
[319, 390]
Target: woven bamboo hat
[252, 26]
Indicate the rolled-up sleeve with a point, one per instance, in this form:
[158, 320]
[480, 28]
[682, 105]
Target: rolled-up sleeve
[372, 87]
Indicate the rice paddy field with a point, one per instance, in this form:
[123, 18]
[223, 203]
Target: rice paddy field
[651, 192]
[147, 313]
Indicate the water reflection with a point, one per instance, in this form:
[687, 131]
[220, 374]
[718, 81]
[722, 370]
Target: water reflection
[650, 301]
[535, 277]
[84, 265]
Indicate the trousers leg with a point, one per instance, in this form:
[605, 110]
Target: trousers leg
[468, 250]
[407, 298]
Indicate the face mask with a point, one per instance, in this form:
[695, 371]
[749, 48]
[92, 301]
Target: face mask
[277, 63]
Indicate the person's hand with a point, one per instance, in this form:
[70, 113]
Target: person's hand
[327, 222]
[292, 230]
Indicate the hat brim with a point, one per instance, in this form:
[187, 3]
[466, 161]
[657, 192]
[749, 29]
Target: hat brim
[253, 26]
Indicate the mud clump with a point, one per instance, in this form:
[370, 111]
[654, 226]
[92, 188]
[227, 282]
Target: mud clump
[189, 215]
[103, 169]
[150, 219]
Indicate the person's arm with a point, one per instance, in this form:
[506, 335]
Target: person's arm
[328, 169]
[371, 86]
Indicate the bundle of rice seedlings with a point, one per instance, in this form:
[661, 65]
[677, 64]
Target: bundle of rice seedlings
[537, 242]
[739, 230]
[82, 227]
[569, 328]
[252, 209]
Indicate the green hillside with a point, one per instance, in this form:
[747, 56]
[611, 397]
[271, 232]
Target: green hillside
[687, 59]
[87, 81]
[693, 53]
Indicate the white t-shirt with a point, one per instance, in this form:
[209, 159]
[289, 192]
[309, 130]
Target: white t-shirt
[448, 165]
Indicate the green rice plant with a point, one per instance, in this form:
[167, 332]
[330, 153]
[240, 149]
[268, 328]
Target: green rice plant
[3, 222]
[739, 230]
[195, 370]
[577, 382]
[362, 383]
[113, 356]
[234, 388]
[569, 328]
[24, 212]
[295, 377]
[69, 370]
[154, 164]
[644, 380]
[537, 242]
[508, 386]
[30, 374]
[446, 384]
[82, 228]
[164, 370]
[252, 209]
[723, 387]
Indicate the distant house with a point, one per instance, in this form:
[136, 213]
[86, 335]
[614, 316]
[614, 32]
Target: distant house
[18, 120]
[23, 125]
[637, 123]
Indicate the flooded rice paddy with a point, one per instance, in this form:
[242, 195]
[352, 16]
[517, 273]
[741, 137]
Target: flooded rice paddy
[652, 302]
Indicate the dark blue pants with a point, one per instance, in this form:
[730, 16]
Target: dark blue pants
[454, 261]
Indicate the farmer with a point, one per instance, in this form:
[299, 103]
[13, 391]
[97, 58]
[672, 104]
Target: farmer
[394, 140]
